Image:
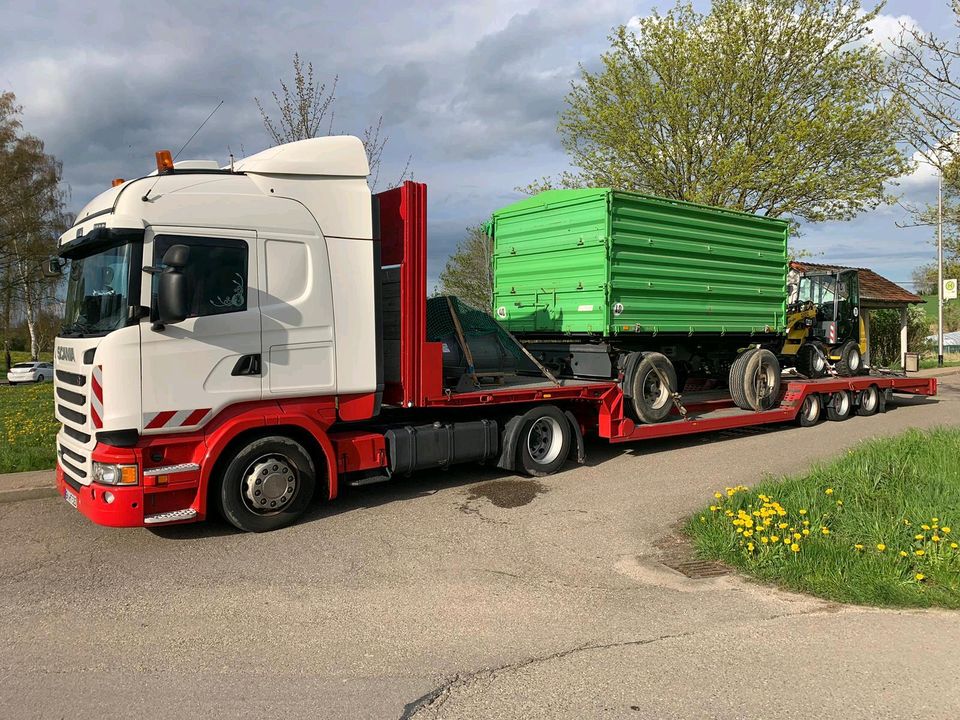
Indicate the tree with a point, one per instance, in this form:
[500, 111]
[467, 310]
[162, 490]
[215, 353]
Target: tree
[928, 79]
[468, 273]
[303, 110]
[885, 334]
[767, 106]
[31, 218]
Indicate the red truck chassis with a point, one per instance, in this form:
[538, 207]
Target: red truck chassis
[176, 470]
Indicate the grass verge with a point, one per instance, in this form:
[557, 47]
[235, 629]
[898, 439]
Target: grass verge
[873, 527]
[28, 428]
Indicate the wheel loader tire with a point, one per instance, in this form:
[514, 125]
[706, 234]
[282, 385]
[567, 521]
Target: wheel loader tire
[735, 379]
[811, 361]
[652, 401]
[851, 361]
[761, 380]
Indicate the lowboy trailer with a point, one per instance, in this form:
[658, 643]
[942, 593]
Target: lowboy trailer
[274, 346]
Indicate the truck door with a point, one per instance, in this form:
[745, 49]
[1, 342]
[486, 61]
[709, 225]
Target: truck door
[848, 305]
[192, 369]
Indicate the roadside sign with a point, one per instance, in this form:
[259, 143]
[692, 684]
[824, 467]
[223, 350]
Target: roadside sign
[950, 289]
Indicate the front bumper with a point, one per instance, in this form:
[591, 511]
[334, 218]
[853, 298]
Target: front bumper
[126, 510]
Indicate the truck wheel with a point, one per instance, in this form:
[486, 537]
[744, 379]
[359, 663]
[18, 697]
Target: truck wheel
[651, 399]
[850, 362]
[759, 380]
[869, 402]
[544, 440]
[810, 361]
[809, 414]
[839, 406]
[735, 378]
[267, 485]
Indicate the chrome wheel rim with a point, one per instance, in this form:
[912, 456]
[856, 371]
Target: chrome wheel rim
[841, 403]
[545, 440]
[854, 360]
[868, 400]
[812, 410]
[270, 483]
[764, 380]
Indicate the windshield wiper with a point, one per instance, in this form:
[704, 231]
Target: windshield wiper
[74, 329]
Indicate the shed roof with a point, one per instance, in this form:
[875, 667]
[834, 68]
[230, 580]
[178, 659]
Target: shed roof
[873, 287]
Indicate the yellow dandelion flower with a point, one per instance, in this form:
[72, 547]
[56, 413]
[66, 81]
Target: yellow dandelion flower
[858, 546]
[750, 547]
[803, 512]
[797, 536]
[806, 531]
[919, 576]
[764, 539]
[782, 526]
[825, 531]
[839, 503]
[918, 537]
[935, 519]
[924, 527]
[954, 546]
[713, 508]
[945, 529]
[881, 547]
[920, 553]
[795, 547]
[718, 496]
[904, 553]
[774, 538]
[829, 491]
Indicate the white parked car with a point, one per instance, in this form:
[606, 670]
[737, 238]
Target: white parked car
[30, 372]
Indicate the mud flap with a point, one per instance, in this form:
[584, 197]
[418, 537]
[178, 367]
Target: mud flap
[577, 436]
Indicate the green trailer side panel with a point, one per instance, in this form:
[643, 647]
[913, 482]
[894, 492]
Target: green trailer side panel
[598, 261]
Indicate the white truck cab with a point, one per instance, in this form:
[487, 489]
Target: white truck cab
[275, 277]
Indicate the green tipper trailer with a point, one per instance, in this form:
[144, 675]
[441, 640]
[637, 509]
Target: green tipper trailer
[606, 263]
[602, 283]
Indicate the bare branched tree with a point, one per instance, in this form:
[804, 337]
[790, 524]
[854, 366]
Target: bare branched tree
[304, 108]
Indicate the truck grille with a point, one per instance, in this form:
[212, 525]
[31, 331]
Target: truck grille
[75, 441]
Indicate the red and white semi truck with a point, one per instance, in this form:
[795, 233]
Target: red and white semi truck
[244, 340]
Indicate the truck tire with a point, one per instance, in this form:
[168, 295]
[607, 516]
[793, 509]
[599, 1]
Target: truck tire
[869, 401]
[267, 485]
[840, 406]
[652, 401]
[735, 379]
[544, 440]
[758, 386]
[811, 361]
[851, 361]
[809, 414]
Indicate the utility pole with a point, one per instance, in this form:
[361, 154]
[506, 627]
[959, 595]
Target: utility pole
[940, 266]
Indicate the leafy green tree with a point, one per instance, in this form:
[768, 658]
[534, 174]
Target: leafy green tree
[468, 273]
[885, 335]
[768, 106]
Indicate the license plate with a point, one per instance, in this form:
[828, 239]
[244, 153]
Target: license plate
[70, 497]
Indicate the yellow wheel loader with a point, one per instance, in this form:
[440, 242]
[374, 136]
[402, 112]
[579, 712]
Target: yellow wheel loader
[825, 329]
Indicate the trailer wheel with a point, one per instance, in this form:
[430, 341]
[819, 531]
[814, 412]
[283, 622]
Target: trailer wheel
[652, 400]
[839, 406]
[544, 440]
[735, 378]
[267, 485]
[811, 361]
[756, 383]
[809, 414]
[869, 401]
[851, 361]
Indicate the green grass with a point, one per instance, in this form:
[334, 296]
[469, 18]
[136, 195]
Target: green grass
[27, 426]
[879, 497]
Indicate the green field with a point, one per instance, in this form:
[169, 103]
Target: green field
[877, 526]
[27, 426]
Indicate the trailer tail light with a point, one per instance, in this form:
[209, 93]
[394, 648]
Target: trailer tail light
[117, 181]
[164, 162]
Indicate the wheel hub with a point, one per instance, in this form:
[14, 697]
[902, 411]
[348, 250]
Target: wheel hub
[544, 440]
[270, 484]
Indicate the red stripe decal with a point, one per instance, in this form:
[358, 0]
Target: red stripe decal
[97, 390]
[159, 420]
[195, 417]
[97, 422]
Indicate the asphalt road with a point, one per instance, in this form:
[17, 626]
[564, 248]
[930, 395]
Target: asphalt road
[428, 599]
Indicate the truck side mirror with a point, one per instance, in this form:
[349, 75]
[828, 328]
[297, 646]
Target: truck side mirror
[172, 306]
[53, 267]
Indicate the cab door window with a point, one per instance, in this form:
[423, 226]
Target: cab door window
[216, 273]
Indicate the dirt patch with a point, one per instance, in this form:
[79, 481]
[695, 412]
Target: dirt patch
[507, 493]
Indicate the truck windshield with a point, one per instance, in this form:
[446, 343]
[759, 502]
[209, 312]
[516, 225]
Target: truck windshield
[98, 288]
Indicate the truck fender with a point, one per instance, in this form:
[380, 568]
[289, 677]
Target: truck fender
[508, 444]
[630, 363]
[577, 436]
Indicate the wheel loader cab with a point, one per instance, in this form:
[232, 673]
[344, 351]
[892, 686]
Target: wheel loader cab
[835, 297]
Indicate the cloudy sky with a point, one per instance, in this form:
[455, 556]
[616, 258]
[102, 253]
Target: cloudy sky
[470, 89]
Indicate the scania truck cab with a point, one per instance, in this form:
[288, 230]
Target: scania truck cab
[199, 288]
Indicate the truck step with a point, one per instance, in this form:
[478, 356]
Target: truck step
[171, 516]
[370, 480]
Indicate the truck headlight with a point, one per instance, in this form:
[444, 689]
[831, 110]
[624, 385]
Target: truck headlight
[109, 474]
